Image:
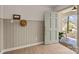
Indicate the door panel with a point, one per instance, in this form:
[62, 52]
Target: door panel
[47, 28]
[50, 28]
[54, 34]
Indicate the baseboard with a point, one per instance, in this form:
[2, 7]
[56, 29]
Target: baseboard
[0, 52]
[29, 45]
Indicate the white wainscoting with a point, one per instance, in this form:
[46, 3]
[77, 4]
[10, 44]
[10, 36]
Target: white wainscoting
[1, 34]
[15, 36]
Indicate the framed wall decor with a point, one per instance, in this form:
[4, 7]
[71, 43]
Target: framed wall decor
[16, 17]
[23, 23]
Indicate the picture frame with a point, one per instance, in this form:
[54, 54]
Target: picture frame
[16, 17]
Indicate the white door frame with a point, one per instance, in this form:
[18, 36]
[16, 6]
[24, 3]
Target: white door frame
[60, 15]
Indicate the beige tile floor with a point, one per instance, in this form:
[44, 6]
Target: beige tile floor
[43, 49]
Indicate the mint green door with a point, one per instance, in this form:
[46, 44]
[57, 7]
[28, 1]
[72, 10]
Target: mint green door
[54, 28]
[47, 28]
[51, 34]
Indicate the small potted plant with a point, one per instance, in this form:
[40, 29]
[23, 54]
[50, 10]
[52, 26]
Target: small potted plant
[60, 35]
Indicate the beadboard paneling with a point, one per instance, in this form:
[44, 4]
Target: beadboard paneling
[15, 35]
[0, 35]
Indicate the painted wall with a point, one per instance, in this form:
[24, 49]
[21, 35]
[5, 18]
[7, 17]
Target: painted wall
[28, 12]
[14, 34]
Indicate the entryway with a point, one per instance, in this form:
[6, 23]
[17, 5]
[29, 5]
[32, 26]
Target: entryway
[68, 28]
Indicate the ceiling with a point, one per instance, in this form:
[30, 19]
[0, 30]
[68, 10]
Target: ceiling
[58, 7]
